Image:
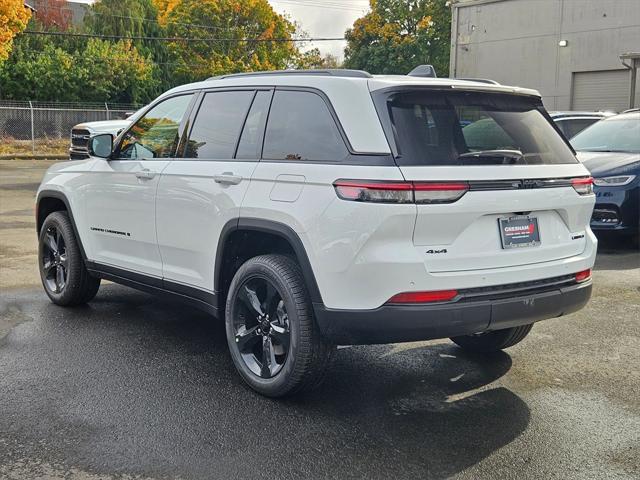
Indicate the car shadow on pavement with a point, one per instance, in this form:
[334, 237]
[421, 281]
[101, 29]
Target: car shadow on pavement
[134, 385]
[431, 406]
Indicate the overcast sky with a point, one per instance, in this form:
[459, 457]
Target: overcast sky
[318, 18]
[323, 18]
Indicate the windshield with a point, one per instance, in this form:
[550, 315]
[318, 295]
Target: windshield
[611, 135]
[473, 128]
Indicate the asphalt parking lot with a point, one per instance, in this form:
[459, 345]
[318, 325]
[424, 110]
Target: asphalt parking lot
[134, 387]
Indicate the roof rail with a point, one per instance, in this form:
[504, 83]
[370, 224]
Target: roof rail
[332, 72]
[631, 110]
[479, 80]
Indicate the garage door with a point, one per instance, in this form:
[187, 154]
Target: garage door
[602, 90]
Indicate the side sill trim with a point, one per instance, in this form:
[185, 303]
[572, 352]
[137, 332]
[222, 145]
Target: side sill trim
[195, 297]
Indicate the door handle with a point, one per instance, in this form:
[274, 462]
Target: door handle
[227, 178]
[145, 174]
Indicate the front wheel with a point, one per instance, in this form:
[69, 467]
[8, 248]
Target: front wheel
[274, 341]
[62, 270]
[493, 341]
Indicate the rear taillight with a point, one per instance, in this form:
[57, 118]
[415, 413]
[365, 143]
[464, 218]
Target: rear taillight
[583, 276]
[423, 297]
[380, 192]
[400, 192]
[584, 186]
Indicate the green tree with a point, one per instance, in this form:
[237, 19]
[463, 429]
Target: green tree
[97, 70]
[229, 22]
[134, 18]
[115, 71]
[397, 35]
[314, 59]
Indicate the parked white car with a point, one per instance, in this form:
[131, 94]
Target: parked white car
[309, 209]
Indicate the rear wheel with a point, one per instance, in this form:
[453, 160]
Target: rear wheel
[62, 270]
[274, 341]
[493, 341]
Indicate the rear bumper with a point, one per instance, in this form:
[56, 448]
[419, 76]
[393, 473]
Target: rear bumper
[395, 323]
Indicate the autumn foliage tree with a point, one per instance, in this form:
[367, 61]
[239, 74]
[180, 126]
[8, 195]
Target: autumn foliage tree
[53, 14]
[236, 36]
[14, 17]
[397, 35]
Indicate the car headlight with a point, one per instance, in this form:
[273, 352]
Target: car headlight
[616, 181]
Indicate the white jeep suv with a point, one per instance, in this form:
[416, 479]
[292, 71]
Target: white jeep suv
[319, 208]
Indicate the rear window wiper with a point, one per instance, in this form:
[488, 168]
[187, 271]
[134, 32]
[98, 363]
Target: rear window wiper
[508, 156]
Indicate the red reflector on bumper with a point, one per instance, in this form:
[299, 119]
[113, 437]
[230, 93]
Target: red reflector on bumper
[424, 297]
[583, 276]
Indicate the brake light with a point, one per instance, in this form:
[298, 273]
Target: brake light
[583, 276]
[400, 192]
[584, 186]
[424, 297]
[380, 192]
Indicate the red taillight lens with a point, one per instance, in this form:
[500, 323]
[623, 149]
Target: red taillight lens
[400, 192]
[584, 186]
[583, 276]
[424, 297]
[379, 192]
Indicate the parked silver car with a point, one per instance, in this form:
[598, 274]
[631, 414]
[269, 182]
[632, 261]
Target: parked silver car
[572, 123]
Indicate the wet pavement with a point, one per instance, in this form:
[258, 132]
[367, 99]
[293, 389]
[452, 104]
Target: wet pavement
[134, 387]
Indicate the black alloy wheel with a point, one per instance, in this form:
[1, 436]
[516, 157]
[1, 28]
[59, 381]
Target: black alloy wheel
[55, 262]
[63, 272]
[262, 330]
[273, 338]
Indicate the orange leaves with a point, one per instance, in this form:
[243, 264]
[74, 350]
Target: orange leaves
[13, 19]
[425, 23]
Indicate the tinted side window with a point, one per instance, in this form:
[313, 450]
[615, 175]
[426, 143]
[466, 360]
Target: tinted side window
[156, 134]
[251, 139]
[218, 123]
[576, 125]
[301, 127]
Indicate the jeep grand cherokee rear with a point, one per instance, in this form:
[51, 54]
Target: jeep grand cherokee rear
[483, 236]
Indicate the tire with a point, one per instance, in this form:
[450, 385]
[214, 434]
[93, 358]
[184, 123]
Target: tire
[62, 270]
[493, 341]
[274, 341]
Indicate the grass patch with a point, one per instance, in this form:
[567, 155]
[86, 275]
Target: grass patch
[44, 146]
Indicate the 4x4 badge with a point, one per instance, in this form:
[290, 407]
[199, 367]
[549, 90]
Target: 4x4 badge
[444, 250]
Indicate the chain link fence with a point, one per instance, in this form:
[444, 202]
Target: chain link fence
[39, 128]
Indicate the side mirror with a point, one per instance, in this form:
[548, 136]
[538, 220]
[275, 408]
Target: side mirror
[101, 145]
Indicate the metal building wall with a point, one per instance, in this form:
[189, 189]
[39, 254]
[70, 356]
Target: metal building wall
[516, 42]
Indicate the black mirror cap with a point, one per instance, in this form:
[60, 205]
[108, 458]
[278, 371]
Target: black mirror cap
[423, 71]
[101, 145]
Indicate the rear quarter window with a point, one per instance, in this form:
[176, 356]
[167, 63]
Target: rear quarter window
[301, 127]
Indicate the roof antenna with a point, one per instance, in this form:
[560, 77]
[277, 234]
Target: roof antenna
[423, 71]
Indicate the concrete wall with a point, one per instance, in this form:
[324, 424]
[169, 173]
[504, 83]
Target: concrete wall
[516, 41]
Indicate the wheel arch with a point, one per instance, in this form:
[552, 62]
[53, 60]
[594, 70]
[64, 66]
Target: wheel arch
[49, 201]
[286, 236]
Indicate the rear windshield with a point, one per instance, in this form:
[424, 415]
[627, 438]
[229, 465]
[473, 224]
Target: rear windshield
[473, 128]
